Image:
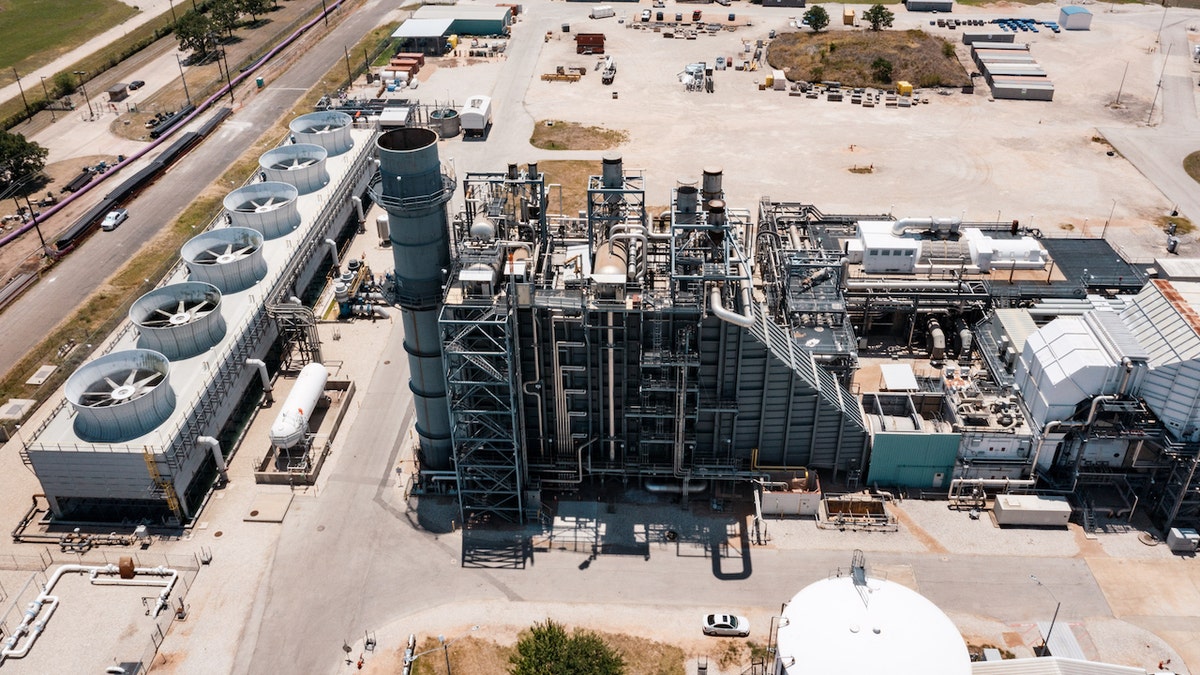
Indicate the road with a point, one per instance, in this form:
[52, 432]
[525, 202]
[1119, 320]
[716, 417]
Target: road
[1158, 151]
[73, 279]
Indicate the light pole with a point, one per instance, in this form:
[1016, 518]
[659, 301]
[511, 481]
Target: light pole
[1106, 220]
[181, 76]
[173, 19]
[48, 101]
[81, 73]
[1057, 606]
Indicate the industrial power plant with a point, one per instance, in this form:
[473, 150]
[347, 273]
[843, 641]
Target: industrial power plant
[772, 351]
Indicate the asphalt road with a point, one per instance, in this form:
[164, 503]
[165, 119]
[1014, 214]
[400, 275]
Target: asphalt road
[28, 320]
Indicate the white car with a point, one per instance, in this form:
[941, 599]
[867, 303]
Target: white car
[726, 625]
[113, 219]
[645, 15]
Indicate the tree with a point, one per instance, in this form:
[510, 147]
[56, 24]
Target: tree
[879, 17]
[64, 83]
[548, 650]
[194, 32]
[254, 7]
[20, 159]
[225, 15]
[817, 18]
[881, 68]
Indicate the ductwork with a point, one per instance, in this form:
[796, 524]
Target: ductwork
[214, 445]
[926, 224]
[263, 375]
[333, 252]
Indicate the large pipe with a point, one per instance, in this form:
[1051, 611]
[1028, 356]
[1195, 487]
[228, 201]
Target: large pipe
[1006, 483]
[413, 191]
[937, 339]
[923, 224]
[262, 375]
[358, 208]
[710, 184]
[215, 446]
[1128, 363]
[333, 251]
[718, 309]
[676, 488]
[30, 628]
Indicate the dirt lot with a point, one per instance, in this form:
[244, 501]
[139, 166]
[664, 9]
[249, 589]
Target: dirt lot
[956, 155]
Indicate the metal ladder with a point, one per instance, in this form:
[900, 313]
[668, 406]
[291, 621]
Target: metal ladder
[166, 485]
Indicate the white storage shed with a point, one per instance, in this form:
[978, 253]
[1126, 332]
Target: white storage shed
[476, 115]
[1074, 17]
[1032, 510]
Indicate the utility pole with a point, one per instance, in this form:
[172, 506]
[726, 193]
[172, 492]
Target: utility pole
[349, 73]
[83, 86]
[22, 90]
[325, 12]
[228, 80]
[48, 101]
[181, 76]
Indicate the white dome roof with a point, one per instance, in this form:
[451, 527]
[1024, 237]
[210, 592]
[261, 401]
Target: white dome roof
[833, 627]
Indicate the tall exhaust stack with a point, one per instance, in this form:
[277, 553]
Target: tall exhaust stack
[414, 192]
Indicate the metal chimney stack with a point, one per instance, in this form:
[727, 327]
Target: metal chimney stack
[414, 192]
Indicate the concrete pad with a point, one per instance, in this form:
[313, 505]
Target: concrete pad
[16, 408]
[269, 508]
[1148, 588]
[41, 375]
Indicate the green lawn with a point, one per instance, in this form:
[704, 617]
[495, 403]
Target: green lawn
[35, 32]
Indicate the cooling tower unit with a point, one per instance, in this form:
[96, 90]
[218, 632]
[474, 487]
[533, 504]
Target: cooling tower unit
[230, 258]
[268, 207]
[301, 165]
[179, 321]
[121, 396]
[412, 189]
[329, 129]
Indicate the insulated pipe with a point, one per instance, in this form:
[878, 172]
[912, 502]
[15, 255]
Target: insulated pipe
[612, 389]
[986, 483]
[264, 376]
[903, 224]
[1095, 407]
[370, 309]
[718, 309]
[672, 488]
[333, 251]
[358, 208]
[214, 445]
[1054, 424]
[1128, 363]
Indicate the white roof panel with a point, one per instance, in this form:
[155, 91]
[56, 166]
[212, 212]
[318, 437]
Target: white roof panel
[1050, 665]
[898, 377]
[420, 28]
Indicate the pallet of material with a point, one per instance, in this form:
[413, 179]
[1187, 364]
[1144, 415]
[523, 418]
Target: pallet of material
[561, 77]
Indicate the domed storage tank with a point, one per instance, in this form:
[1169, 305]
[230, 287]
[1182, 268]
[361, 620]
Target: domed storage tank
[121, 396]
[301, 165]
[447, 121]
[267, 207]
[179, 321]
[329, 129]
[229, 258]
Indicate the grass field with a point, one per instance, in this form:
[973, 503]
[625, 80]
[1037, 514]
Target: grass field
[848, 57]
[35, 32]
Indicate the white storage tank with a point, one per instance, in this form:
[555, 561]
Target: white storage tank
[1033, 510]
[291, 425]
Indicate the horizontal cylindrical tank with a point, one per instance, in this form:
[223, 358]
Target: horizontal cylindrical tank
[291, 425]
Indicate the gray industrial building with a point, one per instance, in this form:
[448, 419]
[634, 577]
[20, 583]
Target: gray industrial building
[705, 350]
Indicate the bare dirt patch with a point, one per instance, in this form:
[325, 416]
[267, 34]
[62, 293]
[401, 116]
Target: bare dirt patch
[848, 57]
[572, 175]
[559, 135]
[473, 655]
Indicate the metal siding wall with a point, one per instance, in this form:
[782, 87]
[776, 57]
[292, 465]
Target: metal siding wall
[911, 460]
